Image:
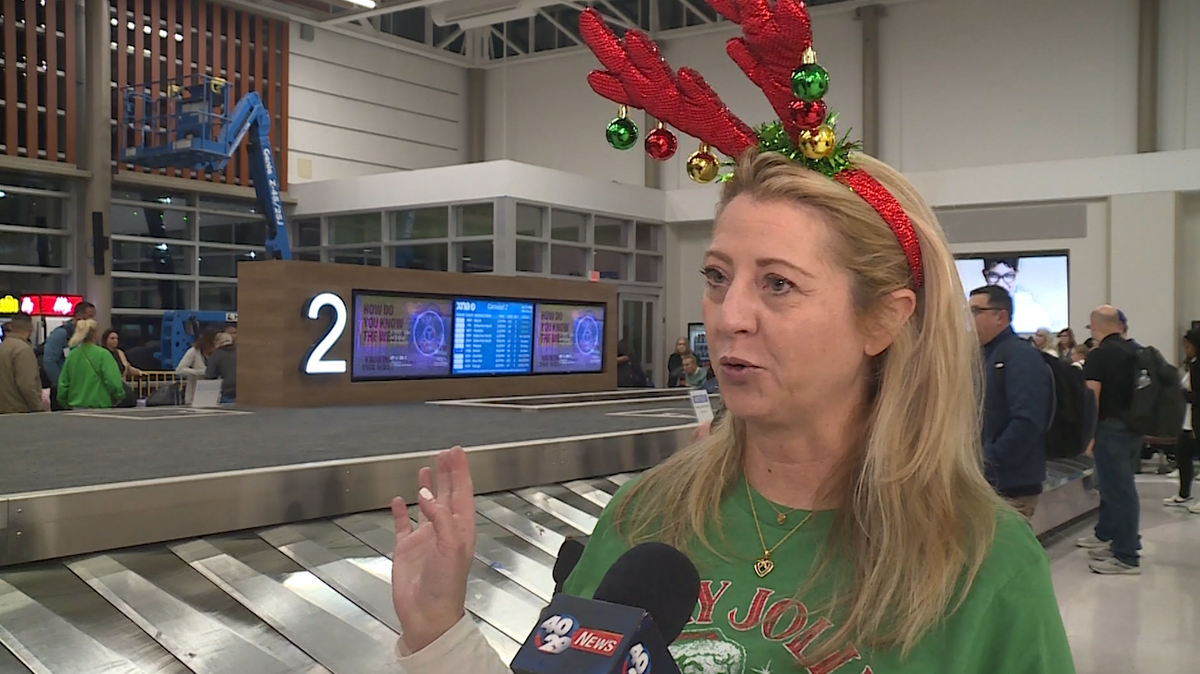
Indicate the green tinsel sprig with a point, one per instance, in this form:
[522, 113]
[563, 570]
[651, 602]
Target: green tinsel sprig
[773, 138]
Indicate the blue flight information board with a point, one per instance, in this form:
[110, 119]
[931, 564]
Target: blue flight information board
[492, 337]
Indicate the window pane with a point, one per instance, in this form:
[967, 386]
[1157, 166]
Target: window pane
[229, 205]
[530, 255]
[358, 228]
[475, 220]
[648, 236]
[137, 293]
[26, 210]
[223, 261]
[33, 180]
[308, 233]
[610, 232]
[611, 265]
[567, 226]
[153, 258]
[475, 257]
[31, 250]
[243, 231]
[530, 220]
[568, 261]
[370, 257]
[218, 296]
[135, 331]
[158, 223]
[647, 268]
[307, 255]
[420, 223]
[151, 195]
[18, 283]
[431, 256]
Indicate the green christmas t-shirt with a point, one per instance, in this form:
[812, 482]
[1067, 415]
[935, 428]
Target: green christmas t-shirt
[743, 624]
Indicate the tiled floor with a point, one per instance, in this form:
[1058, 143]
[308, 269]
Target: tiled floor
[1147, 624]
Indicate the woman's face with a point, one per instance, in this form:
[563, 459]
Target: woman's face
[782, 330]
[681, 346]
[112, 340]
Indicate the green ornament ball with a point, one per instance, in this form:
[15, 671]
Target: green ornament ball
[621, 133]
[810, 82]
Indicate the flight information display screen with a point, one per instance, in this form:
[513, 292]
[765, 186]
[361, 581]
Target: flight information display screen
[492, 336]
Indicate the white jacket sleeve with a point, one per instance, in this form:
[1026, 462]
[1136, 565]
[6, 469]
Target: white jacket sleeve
[460, 650]
[191, 365]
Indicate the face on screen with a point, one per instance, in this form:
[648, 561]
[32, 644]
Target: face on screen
[1001, 274]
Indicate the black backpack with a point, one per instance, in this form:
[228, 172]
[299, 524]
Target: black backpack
[1073, 415]
[1158, 407]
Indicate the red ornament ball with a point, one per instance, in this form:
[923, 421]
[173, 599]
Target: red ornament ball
[808, 115]
[661, 144]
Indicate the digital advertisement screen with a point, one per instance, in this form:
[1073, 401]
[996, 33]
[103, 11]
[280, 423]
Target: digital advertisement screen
[698, 342]
[1037, 282]
[492, 336]
[570, 338]
[398, 337]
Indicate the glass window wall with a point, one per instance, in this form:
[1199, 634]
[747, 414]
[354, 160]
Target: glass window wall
[35, 234]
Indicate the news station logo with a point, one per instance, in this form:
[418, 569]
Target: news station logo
[558, 633]
[637, 660]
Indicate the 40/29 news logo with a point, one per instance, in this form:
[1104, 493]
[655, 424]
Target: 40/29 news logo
[555, 633]
[637, 660]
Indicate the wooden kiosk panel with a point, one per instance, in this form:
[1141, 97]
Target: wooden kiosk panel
[275, 337]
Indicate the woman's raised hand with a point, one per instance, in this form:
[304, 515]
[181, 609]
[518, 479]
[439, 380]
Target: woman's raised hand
[431, 562]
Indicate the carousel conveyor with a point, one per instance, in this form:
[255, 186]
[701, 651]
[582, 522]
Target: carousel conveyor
[305, 597]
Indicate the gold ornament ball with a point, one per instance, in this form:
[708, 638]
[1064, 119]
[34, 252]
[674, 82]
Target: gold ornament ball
[702, 166]
[818, 143]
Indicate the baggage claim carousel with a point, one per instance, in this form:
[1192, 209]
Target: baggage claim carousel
[238, 540]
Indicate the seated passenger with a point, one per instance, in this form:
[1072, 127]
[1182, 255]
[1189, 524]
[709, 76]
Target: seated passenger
[693, 376]
[222, 364]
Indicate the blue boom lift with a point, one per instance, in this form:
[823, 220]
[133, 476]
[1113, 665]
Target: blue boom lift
[187, 122]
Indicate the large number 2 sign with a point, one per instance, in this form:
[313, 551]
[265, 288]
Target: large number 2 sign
[315, 362]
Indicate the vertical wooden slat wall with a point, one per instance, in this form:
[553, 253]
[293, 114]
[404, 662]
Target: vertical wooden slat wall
[37, 75]
[168, 39]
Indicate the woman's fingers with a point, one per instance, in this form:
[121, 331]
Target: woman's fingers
[462, 491]
[445, 477]
[400, 519]
[439, 515]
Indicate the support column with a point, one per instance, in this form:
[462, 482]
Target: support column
[1147, 81]
[95, 134]
[869, 16]
[1143, 280]
[476, 115]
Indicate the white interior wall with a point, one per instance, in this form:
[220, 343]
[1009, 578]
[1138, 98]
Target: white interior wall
[356, 108]
[1187, 257]
[964, 83]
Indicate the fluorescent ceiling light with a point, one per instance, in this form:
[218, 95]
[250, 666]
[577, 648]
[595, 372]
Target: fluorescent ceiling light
[369, 4]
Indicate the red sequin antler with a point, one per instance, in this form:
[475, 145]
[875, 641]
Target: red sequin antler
[636, 75]
[773, 40]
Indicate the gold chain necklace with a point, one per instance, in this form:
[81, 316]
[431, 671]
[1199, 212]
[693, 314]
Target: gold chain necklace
[780, 516]
[764, 565]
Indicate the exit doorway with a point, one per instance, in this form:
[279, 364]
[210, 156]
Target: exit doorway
[640, 316]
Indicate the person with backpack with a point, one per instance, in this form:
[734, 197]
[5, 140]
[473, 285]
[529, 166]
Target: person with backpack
[1138, 395]
[1017, 402]
[1188, 447]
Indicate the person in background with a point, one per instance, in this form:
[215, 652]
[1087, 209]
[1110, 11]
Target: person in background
[694, 376]
[1016, 402]
[675, 361]
[1186, 449]
[1066, 342]
[1043, 339]
[195, 361]
[90, 378]
[1109, 372]
[1079, 355]
[1090, 343]
[222, 364]
[1029, 314]
[231, 330]
[846, 464]
[110, 340]
[20, 379]
[54, 351]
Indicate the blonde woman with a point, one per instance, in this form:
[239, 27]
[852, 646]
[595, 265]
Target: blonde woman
[90, 377]
[837, 512]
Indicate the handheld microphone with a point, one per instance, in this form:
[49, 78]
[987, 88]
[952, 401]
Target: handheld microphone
[641, 605]
[568, 557]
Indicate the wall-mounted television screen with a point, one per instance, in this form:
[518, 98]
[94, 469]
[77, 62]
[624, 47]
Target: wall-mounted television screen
[492, 336]
[401, 336]
[570, 338]
[698, 342]
[1037, 282]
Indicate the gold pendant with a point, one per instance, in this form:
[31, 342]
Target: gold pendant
[763, 566]
[780, 518]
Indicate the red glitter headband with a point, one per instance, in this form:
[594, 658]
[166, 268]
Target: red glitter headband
[775, 52]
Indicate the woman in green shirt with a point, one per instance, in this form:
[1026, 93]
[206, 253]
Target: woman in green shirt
[90, 377]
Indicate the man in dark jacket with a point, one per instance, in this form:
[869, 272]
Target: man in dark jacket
[1017, 402]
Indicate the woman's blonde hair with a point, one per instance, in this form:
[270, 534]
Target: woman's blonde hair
[83, 329]
[915, 517]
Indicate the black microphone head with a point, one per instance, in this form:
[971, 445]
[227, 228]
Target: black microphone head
[568, 556]
[657, 578]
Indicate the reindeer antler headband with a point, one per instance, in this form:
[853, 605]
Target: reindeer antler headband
[775, 52]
